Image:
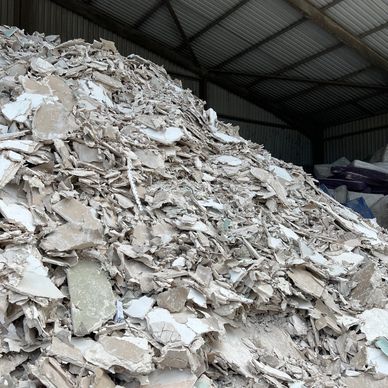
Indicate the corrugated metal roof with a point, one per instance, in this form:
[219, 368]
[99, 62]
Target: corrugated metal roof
[216, 43]
[162, 25]
[305, 39]
[334, 65]
[359, 16]
[278, 89]
[261, 19]
[257, 61]
[272, 37]
[378, 41]
[126, 11]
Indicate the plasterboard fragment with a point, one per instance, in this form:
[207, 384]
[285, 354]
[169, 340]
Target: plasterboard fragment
[166, 329]
[168, 136]
[60, 89]
[71, 236]
[174, 299]
[76, 212]
[308, 283]
[229, 160]
[17, 214]
[139, 308]
[52, 121]
[173, 378]
[50, 372]
[40, 65]
[130, 353]
[24, 146]
[65, 352]
[374, 323]
[91, 296]
[34, 280]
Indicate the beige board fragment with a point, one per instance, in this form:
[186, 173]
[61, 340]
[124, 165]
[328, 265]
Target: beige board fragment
[65, 352]
[134, 353]
[10, 162]
[17, 214]
[91, 296]
[23, 146]
[307, 282]
[34, 280]
[52, 121]
[76, 212]
[60, 89]
[166, 329]
[173, 378]
[50, 372]
[130, 353]
[71, 236]
[173, 300]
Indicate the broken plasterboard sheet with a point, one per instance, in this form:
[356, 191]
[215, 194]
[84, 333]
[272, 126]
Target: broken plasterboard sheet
[39, 65]
[374, 323]
[378, 359]
[10, 162]
[173, 300]
[23, 146]
[308, 283]
[17, 214]
[50, 372]
[76, 212]
[34, 280]
[71, 236]
[166, 329]
[52, 121]
[130, 353]
[139, 308]
[170, 378]
[91, 296]
[168, 136]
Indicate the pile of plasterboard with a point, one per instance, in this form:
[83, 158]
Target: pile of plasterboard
[144, 243]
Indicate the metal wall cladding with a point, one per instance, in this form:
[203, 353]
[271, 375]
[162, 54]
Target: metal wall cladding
[356, 145]
[7, 12]
[284, 144]
[232, 105]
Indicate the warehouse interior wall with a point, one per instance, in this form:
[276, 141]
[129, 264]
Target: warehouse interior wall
[356, 140]
[284, 143]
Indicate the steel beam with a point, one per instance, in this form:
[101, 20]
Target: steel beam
[343, 35]
[182, 31]
[344, 103]
[316, 87]
[317, 81]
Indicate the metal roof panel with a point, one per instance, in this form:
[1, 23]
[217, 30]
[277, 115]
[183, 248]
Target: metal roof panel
[358, 16]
